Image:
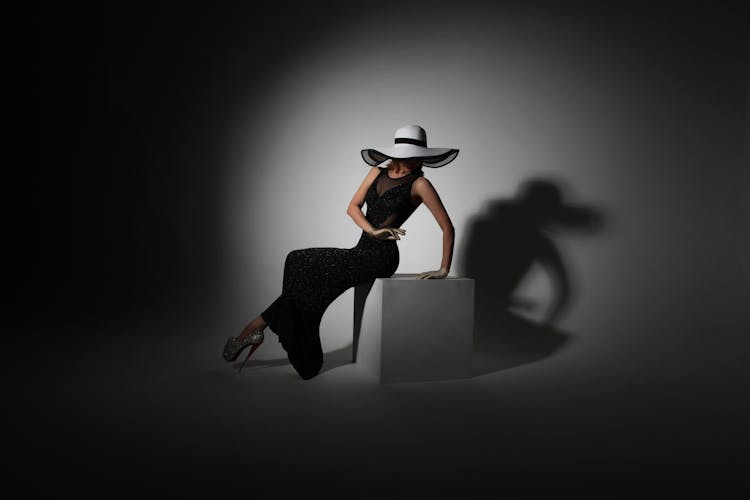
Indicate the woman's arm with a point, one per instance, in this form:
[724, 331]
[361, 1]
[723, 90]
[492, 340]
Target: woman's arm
[426, 192]
[354, 210]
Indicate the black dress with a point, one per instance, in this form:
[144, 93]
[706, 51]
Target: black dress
[315, 277]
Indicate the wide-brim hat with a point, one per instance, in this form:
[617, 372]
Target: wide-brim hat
[410, 143]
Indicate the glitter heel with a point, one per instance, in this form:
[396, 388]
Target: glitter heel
[234, 347]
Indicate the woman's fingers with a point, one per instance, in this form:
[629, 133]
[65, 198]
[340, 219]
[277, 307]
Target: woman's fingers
[389, 233]
[428, 275]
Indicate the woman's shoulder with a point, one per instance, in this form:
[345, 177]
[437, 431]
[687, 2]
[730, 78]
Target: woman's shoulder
[422, 182]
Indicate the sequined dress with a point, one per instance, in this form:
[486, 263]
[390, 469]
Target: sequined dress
[315, 277]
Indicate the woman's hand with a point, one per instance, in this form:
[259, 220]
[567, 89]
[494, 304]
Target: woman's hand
[436, 275]
[388, 233]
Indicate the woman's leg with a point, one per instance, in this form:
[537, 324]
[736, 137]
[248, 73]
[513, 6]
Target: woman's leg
[313, 278]
[298, 331]
[291, 269]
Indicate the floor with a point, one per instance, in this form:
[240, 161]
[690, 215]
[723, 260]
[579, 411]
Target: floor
[155, 408]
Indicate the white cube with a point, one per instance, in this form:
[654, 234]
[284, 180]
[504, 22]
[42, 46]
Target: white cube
[409, 330]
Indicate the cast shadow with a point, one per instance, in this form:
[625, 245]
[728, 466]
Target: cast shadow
[331, 360]
[500, 247]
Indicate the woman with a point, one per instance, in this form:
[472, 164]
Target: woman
[315, 277]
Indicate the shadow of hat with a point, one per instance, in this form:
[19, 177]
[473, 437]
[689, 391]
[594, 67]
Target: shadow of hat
[543, 200]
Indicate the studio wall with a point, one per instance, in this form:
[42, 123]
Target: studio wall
[186, 151]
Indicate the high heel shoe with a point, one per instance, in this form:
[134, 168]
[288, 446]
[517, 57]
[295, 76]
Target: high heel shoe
[233, 346]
